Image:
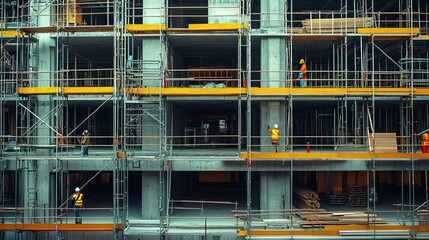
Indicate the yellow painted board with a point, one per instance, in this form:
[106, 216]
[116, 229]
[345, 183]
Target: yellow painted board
[10, 33]
[281, 232]
[65, 90]
[421, 91]
[87, 90]
[379, 91]
[190, 91]
[389, 31]
[144, 27]
[38, 90]
[215, 26]
[296, 91]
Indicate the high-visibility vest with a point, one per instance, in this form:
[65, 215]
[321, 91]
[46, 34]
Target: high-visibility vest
[303, 70]
[274, 134]
[78, 198]
[425, 139]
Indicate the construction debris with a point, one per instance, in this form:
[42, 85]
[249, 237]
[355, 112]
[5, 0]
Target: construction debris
[305, 199]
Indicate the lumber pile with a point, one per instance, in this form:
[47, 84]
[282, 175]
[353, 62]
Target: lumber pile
[335, 25]
[321, 218]
[357, 196]
[337, 198]
[306, 199]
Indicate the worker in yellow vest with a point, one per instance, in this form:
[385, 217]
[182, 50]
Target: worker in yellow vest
[275, 137]
[77, 197]
[425, 143]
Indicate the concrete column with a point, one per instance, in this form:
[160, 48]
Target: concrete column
[273, 51]
[43, 189]
[152, 56]
[275, 191]
[150, 195]
[272, 14]
[44, 62]
[223, 11]
[272, 112]
[153, 11]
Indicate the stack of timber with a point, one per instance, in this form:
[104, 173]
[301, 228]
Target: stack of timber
[305, 199]
[356, 196]
[337, 198]
[335, 25]
[321, 218]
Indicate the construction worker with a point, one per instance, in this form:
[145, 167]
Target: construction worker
[77, 197]
[425, 142]
[302, 74]
[85, 143]
[275, 136]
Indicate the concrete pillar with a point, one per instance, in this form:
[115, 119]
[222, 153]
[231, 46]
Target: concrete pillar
[272, 112]
[152, 56]
[150, 195]
[223, 11]
[275, 191]
[153, 11]
[43, 62]
[272, 14]
[273, 51]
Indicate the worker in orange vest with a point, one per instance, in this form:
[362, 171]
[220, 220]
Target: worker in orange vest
[77, 197]
[302, 74]
[275, 137]
[425, 142]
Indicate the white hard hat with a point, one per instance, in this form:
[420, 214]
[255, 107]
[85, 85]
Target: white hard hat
[85, 131]
[276, 126]
[77, 189]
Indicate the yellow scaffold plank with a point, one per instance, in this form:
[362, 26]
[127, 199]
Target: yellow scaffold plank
[65, 90]
[60, 227]
[329, 230]
[87, 90]
[331, 155]
[10, 33]
[190, 91]
[38, 90]
[421, 91]
[391, 31]
[279, 232]
[143, 28]
[215, 26]
[297, 91]
[379, 91]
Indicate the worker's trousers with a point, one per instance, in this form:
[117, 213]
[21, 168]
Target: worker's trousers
[78, 214]
[84, 151]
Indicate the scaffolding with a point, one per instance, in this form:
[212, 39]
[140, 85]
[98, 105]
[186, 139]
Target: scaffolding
[150, 62]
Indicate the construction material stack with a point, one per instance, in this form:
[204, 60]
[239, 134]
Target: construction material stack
[305, 198]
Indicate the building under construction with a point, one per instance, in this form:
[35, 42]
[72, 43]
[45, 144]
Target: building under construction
[177, 96]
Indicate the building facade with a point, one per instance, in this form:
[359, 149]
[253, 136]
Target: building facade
[178, 98]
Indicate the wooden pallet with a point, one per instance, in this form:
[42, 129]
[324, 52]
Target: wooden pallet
[337, 198]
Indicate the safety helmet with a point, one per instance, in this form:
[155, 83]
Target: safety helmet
[301, 61]
[77, 189]
[85, 131]
[276, 126]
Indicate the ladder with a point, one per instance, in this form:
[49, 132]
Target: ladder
[120, 173]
